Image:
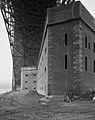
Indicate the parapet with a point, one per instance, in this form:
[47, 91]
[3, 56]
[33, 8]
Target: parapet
[71, 11]
[28, 68]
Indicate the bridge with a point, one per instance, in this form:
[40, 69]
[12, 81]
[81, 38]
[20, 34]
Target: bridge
[24, 21]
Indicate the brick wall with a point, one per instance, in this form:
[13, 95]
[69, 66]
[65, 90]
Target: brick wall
[68, 23]
[89, 75]
[28, 78]
[60, 79]
[42, 73]
[77, 23]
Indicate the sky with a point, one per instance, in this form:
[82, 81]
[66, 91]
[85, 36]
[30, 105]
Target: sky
[5, 53]
[5, 59]
[90, 6]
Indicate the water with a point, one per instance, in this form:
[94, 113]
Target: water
[4, 90]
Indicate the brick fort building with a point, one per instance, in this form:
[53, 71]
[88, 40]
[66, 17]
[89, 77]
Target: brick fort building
[67, 55]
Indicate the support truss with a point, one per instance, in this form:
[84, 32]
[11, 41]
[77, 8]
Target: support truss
[16, 45]
[24, 20]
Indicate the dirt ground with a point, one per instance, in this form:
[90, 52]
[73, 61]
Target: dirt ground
[30, 106]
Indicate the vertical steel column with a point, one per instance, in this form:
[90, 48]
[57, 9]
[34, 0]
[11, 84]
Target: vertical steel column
[24, 21]
[16, 43]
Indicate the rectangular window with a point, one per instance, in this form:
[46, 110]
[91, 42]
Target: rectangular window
[89, 45]
[45, 50]
[94, 66]
[94, 47]
[85, 41]
[65, 61]
[86, 63]
[45, 68]
[65, 39]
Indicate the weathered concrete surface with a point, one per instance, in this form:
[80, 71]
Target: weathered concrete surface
[42, 72]
[28, 78]
[75, 21]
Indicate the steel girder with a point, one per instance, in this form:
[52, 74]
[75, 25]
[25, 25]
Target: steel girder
[24, 21]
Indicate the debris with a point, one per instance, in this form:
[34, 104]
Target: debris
[43, 103]
[44, 99]
[93, 98]
[66, 98]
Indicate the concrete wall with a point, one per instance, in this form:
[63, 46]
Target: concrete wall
[28, 78]
[60, 79]
[77, 74]
[83, 79]
[75, 21]
[69, 20]
[89, 75]
[42, 73]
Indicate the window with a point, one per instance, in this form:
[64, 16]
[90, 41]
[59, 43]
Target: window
[89, 45]
[34, 74]
[86, 63]
[94, 66]
[65, 61]
[45, 50]
[65, 39]
[85, 41]
[45, 68]
[94, 47]
[26, 75]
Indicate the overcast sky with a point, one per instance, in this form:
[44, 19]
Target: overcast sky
[90, 5]
[5, 57]
[5, 53]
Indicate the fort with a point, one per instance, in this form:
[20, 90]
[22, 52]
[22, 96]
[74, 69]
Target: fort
[67, 54]
[66, 60]
[53, 50]
[62, 49]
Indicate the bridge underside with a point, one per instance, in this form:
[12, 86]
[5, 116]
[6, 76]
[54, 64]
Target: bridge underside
[24, 20]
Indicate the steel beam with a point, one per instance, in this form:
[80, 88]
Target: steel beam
[24, 20]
